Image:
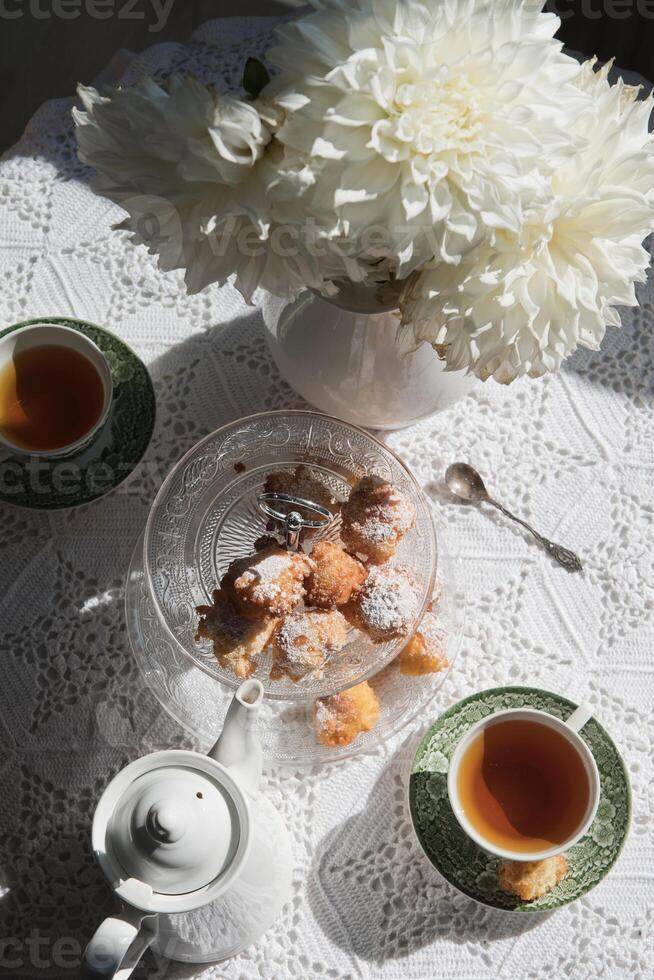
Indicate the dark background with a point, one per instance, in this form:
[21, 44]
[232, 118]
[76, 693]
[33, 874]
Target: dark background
[43, 56]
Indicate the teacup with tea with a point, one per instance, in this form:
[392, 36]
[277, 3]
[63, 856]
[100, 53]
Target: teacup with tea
[523, 784]
[55, 390]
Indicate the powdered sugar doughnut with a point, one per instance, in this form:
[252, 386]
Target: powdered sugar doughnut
[387, 604]
[425, 651]
[375, 518]
[301, 483]
[269, 583]
[340, 718]
[304, 641]
[335, 575]
[235, 640]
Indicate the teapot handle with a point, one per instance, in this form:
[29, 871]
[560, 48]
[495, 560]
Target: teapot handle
[117, 946]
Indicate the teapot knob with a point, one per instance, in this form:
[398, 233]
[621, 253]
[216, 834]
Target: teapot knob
[167, 822]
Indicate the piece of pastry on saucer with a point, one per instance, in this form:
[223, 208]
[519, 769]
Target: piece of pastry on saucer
[531, 879]
[387, 604]
[267, 584]
[334, 576]
[340, 718]
[304, 641]
[236, 640]
[425, 653]
[375, 518]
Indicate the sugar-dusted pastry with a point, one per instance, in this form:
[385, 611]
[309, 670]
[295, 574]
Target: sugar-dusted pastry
[236, 640]
[425, 651]
[531, 879]
[375, 518]
[269, 583]
[304, 641]
[340, 718]
[300, 483]
[334, 576]
[387, 604]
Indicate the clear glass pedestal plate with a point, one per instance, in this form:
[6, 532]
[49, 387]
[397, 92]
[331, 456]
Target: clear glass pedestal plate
[207, 514]
[198, 701]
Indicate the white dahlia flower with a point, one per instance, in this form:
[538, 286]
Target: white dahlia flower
[425, 121]
[520, 302]
[444, 152]
[192, 169]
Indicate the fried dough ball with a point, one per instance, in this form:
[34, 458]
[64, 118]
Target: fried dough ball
[304, 641]
[375, 518]
[267, 584]
[300, 483]
[531, 879]
[340, 718]
[236, 640]
[425, 651]
[334, 577]
[387, 604]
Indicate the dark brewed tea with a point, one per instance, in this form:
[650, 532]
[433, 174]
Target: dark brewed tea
[50, 396]
[523, 786]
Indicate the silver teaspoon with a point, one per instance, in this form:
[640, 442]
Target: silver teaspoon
[465, 482]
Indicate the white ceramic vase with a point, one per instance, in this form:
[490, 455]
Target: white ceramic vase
[343, 357]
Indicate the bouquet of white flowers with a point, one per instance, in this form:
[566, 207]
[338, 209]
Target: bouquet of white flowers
[447, 154]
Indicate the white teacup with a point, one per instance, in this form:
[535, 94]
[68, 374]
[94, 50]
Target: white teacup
[57, 335]
[570, 730]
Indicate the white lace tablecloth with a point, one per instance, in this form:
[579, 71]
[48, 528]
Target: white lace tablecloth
[574, 453]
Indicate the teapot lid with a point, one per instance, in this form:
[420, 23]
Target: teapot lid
[175, 822]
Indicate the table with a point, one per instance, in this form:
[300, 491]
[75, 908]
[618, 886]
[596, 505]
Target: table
[573, 453]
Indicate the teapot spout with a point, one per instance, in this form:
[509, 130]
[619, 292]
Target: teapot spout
[238, 747]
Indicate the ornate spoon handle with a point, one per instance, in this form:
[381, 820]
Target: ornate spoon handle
[563, 555]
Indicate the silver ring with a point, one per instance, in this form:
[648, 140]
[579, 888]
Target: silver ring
[266, 499]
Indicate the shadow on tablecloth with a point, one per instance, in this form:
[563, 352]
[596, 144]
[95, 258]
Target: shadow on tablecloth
[73, 707]
[625, 362]
[374, 893]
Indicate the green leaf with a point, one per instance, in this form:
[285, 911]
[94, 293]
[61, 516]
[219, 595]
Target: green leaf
[255, 77]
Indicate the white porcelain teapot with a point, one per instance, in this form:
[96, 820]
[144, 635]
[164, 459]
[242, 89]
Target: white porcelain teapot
[200, 863]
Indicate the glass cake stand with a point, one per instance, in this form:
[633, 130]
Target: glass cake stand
[207, 513]
[197, 700]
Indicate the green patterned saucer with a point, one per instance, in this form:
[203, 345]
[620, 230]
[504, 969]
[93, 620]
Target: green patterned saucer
[43, 484]
[467, 866]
